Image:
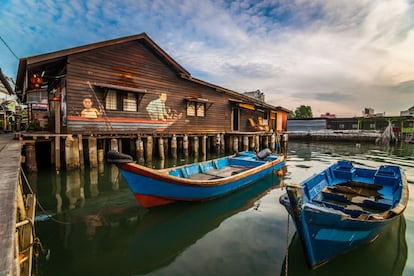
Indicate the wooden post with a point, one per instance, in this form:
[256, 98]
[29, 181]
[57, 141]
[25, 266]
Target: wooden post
[204, 147]
[273, 142]
[252, 143]
[71, 153]
[235, 144]
[101, 155]
[81, 157]
[31, 157]
[114, 144]
[149, 149]
[218, 143]
[120, 145]
[257, 148]
[93, 152]
[266, 141]
[140, 150]
[196, 145]
[174, 147]
[222, 144]
[245, 143]
[185, 145]
[161, 148]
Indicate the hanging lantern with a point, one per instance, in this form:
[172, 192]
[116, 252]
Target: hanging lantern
[36, 81]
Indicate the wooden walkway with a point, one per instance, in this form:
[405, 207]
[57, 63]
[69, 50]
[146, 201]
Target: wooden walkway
[9, 178]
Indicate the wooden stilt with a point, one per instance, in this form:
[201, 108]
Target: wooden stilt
[31, 157]
[114, 144]
[71, 153]
[161, 148]
[185, 146]
[140, 150]
[81, 157]
[93, 152]
[245, 143]
[235, 144]
[174, 147]
[273, 142]
[149, 149]
[196, 145]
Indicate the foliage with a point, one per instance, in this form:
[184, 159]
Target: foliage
[303, 112]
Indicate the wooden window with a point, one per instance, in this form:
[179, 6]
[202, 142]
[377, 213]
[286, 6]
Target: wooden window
[121, 100]
[196, 109]
[130, 102]
[110, 100]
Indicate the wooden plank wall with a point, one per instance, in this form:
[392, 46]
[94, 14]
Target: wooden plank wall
[132, 64]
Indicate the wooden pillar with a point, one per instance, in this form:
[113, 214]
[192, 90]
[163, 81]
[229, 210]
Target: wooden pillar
[31, 157]
[222, 144]
[149, 149]
[266, 141]
[71, 153]
[273, 142]
[57, 154]
[120, 145]
[114, 144]
[101, 155]
[257, 138]
[81, 157]
[204, 146]
[140, 150]
[235, 144]
[161, 148]
[196, 145]
[252, 146]
[245, 143]
[93, 152]
[185, 145]
[174, 147]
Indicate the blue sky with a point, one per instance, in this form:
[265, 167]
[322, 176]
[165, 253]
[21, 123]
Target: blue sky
[335, 56]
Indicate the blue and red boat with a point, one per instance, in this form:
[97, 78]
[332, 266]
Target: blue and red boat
[343, 207]
[195, 182]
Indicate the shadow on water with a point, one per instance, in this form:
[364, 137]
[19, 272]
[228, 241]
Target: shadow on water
[112, 235]
[387, 255]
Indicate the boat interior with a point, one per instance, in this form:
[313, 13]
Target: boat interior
[356, 191]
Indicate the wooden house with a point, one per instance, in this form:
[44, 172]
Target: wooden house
[131, 87]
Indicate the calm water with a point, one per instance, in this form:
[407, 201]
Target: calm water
[93, 226]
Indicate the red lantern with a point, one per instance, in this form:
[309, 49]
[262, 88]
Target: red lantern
[36, 81]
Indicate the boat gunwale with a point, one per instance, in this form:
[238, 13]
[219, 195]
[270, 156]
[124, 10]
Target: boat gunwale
[162, 174]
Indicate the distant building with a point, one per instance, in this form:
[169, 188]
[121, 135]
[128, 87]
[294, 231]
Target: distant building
[368, 112]
[258, 95]
[408, 112]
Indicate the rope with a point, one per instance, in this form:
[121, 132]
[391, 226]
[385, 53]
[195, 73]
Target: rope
[287, 248]
[107, 121]
[38, 202]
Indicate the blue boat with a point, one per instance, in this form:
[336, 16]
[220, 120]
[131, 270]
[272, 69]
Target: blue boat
[343, 207]
[195, 182]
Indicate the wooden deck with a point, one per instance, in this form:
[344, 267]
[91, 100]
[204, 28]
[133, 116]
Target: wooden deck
[9, 170]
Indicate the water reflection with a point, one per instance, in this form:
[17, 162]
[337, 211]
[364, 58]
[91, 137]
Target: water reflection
[112, 230]
[387, 255]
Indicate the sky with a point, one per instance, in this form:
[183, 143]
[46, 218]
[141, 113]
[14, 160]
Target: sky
[337, 57]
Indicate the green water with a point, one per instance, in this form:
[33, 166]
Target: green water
[91, 225]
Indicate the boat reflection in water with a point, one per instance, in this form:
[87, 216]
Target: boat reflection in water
[113, 235]
[387, 255]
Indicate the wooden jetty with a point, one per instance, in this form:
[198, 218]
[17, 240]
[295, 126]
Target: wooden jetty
[16, 212]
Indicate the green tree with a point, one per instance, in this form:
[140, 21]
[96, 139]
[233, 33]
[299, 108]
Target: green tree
[303, 112]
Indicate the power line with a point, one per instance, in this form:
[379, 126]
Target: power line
[8, 47]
